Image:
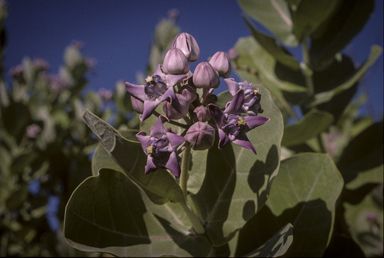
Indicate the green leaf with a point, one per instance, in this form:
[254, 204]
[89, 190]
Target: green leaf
[369, 235]
[363, 154]
[236, 182]
[275, 246]
[326, 96]
[304, 194]
[344, 25]
[309, 15]
[274, 75]
[313, 123]
[165, 33]
[272, 46]
[275, 15]
[108, 213]
[160, 185]
[72, 57]
[16, 117]
[23, 160]
[4, 99]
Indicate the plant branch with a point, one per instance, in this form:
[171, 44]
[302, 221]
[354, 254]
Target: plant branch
[193, 218]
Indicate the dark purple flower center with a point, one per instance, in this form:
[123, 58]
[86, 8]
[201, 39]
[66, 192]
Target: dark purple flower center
[234, 124]
[159, 150]
[155, 87]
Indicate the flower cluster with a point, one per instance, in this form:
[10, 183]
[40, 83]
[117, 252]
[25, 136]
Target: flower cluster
[189, 96]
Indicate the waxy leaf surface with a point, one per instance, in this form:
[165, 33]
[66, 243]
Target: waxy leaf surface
[159, 185]
[237, 181]
[109, 213]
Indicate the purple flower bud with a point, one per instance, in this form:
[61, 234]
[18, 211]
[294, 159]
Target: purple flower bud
[40, 64]
[233, 54]
[16, 71]
[205, 76]
[175, 62]
[177, 109]
[105, 95]
[201, 114]
[189, 93]
[371, 217]
[220, 62]
[187, 43]
[173, 14]
[33, 130]
[201, 136]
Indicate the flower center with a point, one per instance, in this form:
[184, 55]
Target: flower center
[240, 121]
[150, 149]
[149, 79]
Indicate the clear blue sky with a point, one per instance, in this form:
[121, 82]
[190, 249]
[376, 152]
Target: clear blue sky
[118, 35]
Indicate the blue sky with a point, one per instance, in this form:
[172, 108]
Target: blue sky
[118, 35]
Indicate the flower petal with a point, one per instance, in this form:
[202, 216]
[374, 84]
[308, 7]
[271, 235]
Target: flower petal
[149, 107]
[136, 90]
[172, 80]
[150, 167]
[143, 139]
[254, 121]
[235, 104]
[175, 140]
[223, 139]
[158, 130]
[233, 87]
[216, 114]
[173, 164]
[242, 140]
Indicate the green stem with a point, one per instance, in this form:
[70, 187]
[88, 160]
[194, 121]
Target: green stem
[307, 71]
[193, 218]
[184, 169]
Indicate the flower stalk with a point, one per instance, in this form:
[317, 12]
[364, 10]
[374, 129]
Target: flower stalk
[193, 218]
[184, 169]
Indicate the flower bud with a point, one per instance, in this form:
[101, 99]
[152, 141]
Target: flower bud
[137, 105]
[175, 62]
[220, 62]
[201, 114]
[177, 109]
[187, 43]
[201, 136]
[205, 76]
[233, 54]
[189, 93]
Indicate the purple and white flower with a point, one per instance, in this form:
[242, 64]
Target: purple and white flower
[158, 88]
[160, 147]
[232, 126]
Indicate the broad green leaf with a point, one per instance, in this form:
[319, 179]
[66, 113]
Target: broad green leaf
[275, 246]
[23, 160]
[129, 155]
[16, 126]
[309, 15]
[272, 46]
[304, 193]
[371, 176]
[274, 15]
[369, 235]
[273, 75]
[326, 96]
[345, 24]
[313, 123]
[237, 181]
[165, 33]
[364, 154]
[108, 213]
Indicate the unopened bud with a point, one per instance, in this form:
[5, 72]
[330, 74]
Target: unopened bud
[205, 76]
[201, 136]
[233, 54]
[175, 62]
[188, 92]
[220, 62]
[187, 43]
[202, 114]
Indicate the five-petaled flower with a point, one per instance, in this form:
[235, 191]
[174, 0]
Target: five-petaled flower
[158, 88]
[232, 126]
[160, 147]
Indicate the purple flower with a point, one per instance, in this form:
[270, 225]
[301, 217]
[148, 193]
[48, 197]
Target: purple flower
[158, 88]
[160, 147]
[232, 126]
[220, 62]
[252, 96]
[105, 95]
[175, 62]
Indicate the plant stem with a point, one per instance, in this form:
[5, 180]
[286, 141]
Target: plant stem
[307, 71]
[184, 169]
[193, 218]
